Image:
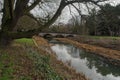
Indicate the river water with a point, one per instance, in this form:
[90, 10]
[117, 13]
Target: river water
[91, 65]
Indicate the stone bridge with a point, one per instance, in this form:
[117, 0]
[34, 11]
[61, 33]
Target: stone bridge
[56, 35]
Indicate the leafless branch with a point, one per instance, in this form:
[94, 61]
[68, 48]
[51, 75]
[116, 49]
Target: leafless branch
[76, 9]
[71, 12]
[33, 5]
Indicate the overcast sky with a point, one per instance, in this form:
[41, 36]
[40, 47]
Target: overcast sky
[65, 16]
[65, 13]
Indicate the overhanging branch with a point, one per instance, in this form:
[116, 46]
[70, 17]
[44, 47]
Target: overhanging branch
[81, 1]
[33, 5]
[76, 9]
[56, 15]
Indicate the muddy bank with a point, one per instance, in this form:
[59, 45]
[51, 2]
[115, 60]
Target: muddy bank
[111, 56]
[106, 42]
[64, 70]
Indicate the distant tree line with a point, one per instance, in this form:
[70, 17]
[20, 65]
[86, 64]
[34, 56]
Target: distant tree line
[104, 22]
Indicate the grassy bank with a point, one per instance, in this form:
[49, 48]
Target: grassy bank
[16, 65]
[104, 37]
[24, 61]
[64, 70]
[102, 41]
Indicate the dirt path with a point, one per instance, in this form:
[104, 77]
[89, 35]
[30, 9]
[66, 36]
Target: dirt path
[112, 56]
[65, 71]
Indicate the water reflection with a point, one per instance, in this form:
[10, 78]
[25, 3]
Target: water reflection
[89, 64]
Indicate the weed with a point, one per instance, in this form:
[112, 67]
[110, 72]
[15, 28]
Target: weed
[25, 78]
[42, 66]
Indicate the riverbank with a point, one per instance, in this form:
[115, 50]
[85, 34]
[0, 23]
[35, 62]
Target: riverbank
[101, 41]
[65, 71]
[111, 56]
[22, 60]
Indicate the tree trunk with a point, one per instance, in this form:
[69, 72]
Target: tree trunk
[7, 25]
[6, 22]
[5, 40]
[9, 21]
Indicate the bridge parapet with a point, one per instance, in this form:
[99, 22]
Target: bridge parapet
[57, 35]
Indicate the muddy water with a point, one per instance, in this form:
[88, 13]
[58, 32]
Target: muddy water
[92, 66]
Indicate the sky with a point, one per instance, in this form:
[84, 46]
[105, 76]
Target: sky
[115, 1]
[65, 16]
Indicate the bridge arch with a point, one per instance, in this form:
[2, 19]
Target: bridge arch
[69, 35]
[48, 36]
[59, 36]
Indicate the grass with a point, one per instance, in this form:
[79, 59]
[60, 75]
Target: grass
[25, 62]
[25, 41]
[12, 65]
[99, 37]
[103, 37]
[42, 65]
[111, 42]
[40, 62]
[6, 68]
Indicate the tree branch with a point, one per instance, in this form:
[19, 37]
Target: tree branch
[79, 1]
[33, 5]
[11, 8]
[71, 12]
[76, 9]
[56, 15]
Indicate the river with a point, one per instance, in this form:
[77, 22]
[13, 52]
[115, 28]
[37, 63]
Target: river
[91, 65]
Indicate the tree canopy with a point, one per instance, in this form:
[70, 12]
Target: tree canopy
[106, 21]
